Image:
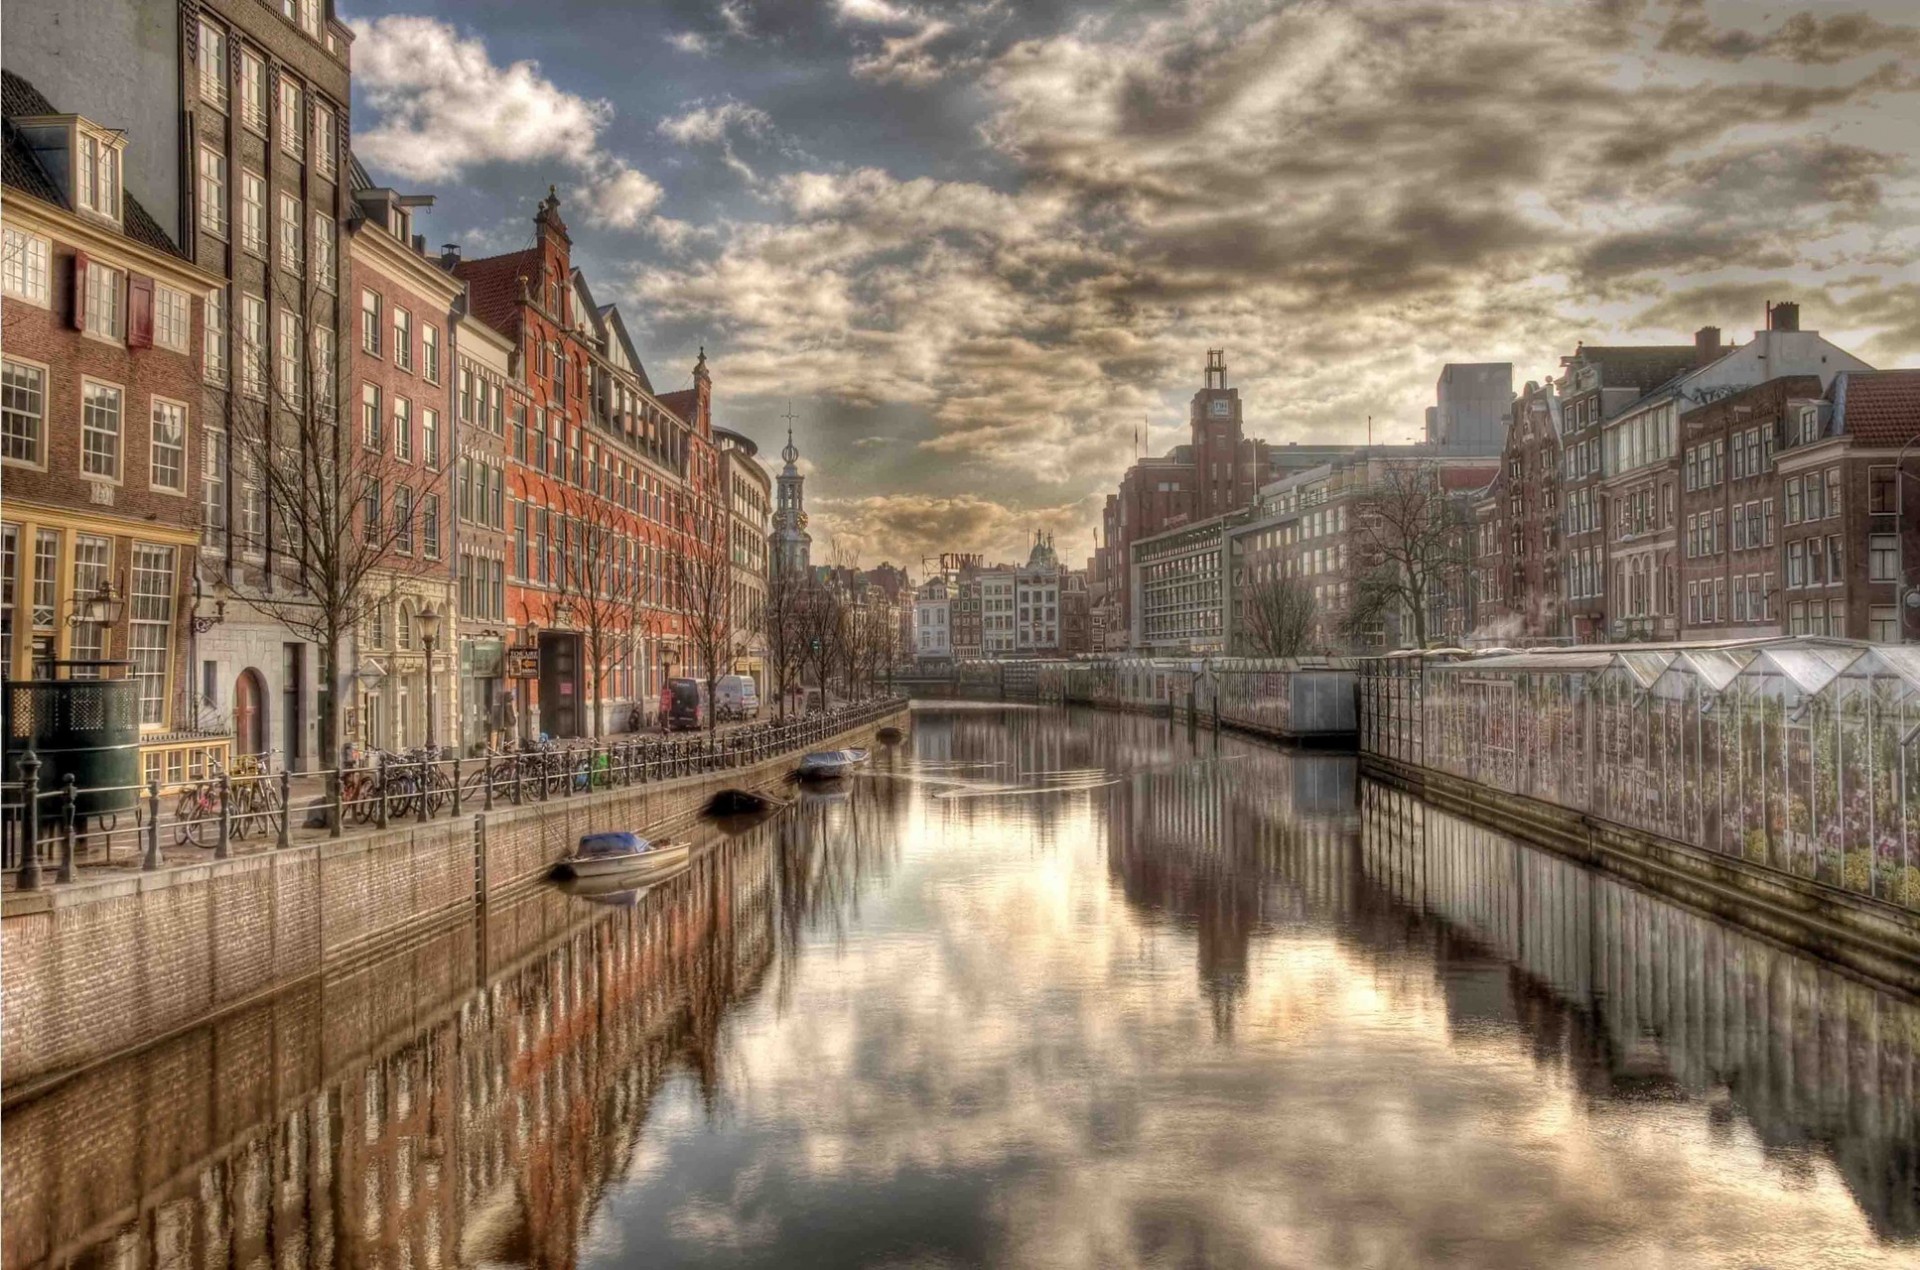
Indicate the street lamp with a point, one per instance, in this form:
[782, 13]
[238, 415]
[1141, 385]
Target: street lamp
[103, 605]
[429, 621]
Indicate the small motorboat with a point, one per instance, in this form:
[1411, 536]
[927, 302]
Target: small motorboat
[829, 764]
[622, 853]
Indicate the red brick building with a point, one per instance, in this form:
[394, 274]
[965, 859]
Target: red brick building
[1849, 549]
[601, 459]
[1517, 558]
[99, 429]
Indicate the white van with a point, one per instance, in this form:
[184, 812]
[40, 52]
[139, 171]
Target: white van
[736, 697]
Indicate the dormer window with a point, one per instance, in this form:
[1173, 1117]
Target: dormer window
[84, 156]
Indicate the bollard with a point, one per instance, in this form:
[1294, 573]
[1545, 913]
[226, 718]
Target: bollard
[456, 782]
[152, 859]
[30, 851]
[421, 784]
[380, 789]
[222, 849]
[519, 774]
[67, 801]
[336, 791]
[286, 808]
[486, 778]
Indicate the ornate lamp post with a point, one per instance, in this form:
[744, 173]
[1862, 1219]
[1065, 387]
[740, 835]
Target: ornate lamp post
[429, 621]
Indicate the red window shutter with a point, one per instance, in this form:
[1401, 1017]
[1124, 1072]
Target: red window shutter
[79, 290]
[139, 312]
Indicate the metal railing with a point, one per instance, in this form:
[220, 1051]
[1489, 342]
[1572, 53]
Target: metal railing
[231, 809]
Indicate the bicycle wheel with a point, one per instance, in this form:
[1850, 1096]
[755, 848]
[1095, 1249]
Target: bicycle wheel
[438, 791]
[197, 831]
[185, 812]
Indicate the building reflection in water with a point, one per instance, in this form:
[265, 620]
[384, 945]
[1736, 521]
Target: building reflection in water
[1635, 996]
[477, 1098]
[466, 1102]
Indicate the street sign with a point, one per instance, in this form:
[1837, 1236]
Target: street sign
[523, 663]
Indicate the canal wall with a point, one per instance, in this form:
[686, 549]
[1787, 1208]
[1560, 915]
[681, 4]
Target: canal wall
[1870, 937]
[298, 1122]
[112, 962]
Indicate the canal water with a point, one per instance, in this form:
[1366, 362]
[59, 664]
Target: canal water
[1044, 988]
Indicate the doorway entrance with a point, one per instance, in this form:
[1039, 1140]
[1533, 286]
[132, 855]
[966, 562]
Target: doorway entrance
[559, 683]
[250, 712]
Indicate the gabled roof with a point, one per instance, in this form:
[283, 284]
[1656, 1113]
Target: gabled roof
[1641, 366]
[685, 403]
[616, 327]
[1878, 408]
[23, 171]
[494, 287]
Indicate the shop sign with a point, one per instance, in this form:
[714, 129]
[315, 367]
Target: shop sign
[523, 663]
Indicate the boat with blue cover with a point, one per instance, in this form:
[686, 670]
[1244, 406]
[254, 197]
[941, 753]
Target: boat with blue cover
[828, 764]
[621, 852]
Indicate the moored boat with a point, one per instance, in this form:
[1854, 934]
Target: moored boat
[828, 764]
[621, 853]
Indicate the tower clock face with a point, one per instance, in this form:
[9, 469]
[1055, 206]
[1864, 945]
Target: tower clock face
[1218, 407]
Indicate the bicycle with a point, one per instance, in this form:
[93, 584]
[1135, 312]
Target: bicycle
[198, 804]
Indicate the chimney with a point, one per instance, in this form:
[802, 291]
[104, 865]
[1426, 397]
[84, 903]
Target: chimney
[1706, 344]
[1784, 316]
[449, 254]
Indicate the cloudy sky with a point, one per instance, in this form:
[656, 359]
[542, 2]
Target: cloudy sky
[981, 244]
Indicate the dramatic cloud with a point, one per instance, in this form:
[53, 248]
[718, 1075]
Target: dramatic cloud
[1004, 235]
[444, 107]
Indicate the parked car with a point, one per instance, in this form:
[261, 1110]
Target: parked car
[683, 705]
[736, 697]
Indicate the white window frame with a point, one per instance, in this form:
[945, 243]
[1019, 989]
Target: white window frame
[254, 112]
[39, 462]
[293, 237]
[213, 484]
[253, 213]
[172, 318]
[293, 123]
[153, 706]
[106, 321]
[325, 370]
[289, 355]
[155, 405]
[213, 79]
[99, 176]
[253, 346]
[325, 143]
[326, 265]
[213, 339]
[119, 433]
[212, 190]
[430, 352]
[402, 324]
[26, 272]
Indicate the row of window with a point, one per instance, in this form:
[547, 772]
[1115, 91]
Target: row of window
[374, 428]
[223, 61]
[1752, 600]
[150, 609]
[24, 389]
[1814, 496]
[398, 523]
[402, 347]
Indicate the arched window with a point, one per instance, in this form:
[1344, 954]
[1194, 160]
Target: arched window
[403, 633]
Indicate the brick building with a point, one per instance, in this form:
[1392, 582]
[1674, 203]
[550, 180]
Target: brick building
[401, 383]
[603, 462]
[1516, 584]
[1729, 491]
[749, 493]
[1849, 549]
[100, 429]
[1595, 385]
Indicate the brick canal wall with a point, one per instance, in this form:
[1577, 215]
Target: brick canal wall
[108, 963]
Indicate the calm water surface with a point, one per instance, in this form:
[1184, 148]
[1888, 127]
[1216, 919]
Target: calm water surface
[1046, 988]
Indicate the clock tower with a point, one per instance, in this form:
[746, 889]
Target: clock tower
[1223, 479]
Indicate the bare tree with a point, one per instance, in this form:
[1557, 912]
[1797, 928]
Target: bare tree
[702, 590]
[781, 622]
[1412, 542]
[337, 516]
[1276, 617]
[823, 632]
[598, 577]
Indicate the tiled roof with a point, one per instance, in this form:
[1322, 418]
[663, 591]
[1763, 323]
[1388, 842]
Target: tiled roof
[1878, 408]
[685, 403]
[23, 171]
[494, 287]
[1641, 366]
